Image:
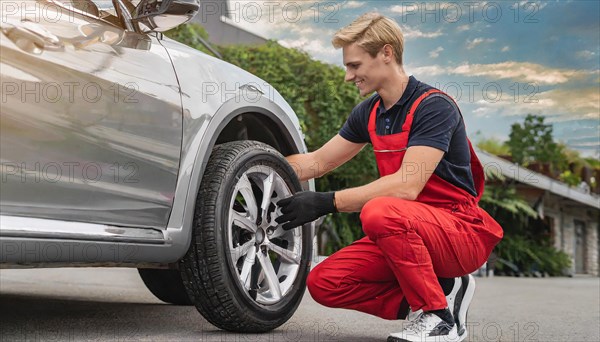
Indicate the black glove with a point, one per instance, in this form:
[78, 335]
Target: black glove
[304, 207]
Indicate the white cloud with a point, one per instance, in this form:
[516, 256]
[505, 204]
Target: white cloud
[404, 9]
[505, 48]
[450, 9]
[585, 54]
[429, 70]
[521, 71]
[477, 41]
[481, 112]
[303, 30]
[561, 104]
[436, 52]
[316, 48]
[275, 19]
[584, 103]
[529, 5]
[353, 4]
[462, 28]
[410, 33]
[558, 105]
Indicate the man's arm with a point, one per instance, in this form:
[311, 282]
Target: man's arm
[418, 165]
[334, 153]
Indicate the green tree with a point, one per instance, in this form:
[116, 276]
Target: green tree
[532, 141]
[494, 146]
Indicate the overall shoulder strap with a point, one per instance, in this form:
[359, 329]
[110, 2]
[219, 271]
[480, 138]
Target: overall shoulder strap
[413, 108]
[372, 115]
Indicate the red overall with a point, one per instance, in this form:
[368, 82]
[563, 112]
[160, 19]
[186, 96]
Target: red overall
[409, 243]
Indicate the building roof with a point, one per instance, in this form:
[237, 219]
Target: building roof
[497, 165]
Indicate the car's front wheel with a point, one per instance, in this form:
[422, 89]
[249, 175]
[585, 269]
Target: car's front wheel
[243, 272]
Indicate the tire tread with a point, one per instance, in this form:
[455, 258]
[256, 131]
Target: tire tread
[201, 267]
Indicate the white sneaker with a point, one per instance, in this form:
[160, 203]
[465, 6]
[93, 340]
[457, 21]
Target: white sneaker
[412, 315]
[450, 299]
[427, 327]
[458, 301]
[461, 303]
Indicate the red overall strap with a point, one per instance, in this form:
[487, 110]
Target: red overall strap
[476, 167]
[371, 126]
[389, 154]
[409, 118]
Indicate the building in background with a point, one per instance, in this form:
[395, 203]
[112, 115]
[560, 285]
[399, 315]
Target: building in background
[571, 214]
[221, 21]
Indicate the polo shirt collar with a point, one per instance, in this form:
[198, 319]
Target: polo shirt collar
[408, 92]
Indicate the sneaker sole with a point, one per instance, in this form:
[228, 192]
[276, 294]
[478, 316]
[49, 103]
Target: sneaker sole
[464, 308]
[439, 339]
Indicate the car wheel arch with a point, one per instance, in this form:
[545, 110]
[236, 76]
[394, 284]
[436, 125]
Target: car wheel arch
[221, 128]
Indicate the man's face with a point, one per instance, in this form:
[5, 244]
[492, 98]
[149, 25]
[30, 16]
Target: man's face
[366, 72]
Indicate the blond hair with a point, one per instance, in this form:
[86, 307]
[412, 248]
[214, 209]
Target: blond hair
[371, 31]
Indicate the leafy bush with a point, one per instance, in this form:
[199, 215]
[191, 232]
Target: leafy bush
[494, 146]
[531, 256]
[190, 35]
[501, 201]
[570, 178]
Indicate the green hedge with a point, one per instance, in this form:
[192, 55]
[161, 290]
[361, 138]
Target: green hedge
[531, 256]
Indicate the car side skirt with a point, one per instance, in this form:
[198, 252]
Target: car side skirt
[38, 242]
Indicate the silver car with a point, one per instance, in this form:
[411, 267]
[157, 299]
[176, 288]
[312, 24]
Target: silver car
[120, 147]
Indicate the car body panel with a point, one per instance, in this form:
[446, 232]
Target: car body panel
[166, 129]
[86, 133]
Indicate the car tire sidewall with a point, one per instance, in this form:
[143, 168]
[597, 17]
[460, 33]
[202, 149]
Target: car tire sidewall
[228, 305]
[245, 162]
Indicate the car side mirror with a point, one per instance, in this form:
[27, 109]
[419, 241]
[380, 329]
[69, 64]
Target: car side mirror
[163, 15]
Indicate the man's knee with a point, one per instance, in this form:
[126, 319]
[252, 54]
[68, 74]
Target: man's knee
[380, 216]
[321, 288]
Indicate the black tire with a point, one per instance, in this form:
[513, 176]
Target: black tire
[166, 285]
[212, 279]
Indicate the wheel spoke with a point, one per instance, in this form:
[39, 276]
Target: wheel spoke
[247, 267]
[242, 250]
[245, 188]
[285, 254]
[243, 221]
[268, 184]
[278, 232]
[270, 274]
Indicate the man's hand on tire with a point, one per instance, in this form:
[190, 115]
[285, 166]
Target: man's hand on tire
[304, 207]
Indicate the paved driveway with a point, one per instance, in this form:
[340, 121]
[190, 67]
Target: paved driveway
[112, 304]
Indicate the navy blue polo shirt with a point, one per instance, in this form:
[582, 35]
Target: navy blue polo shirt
[437, 123]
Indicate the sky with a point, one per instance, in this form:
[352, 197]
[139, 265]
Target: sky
[500, 60]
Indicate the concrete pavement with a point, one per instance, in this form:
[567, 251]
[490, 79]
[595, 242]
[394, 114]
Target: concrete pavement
[106, 304]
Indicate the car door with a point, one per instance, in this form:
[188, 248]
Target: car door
[91, 121]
